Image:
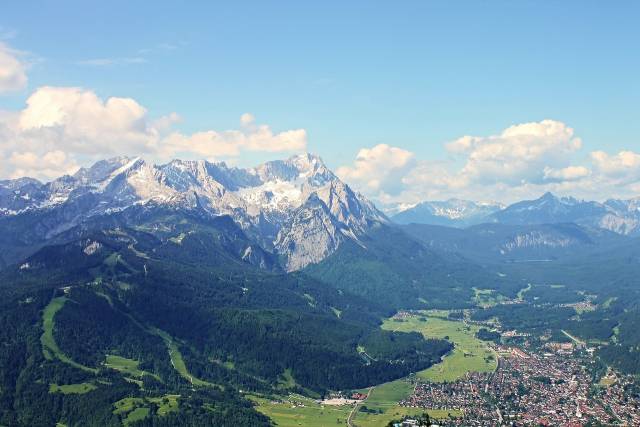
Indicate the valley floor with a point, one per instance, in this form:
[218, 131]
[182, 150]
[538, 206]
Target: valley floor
[382, 405]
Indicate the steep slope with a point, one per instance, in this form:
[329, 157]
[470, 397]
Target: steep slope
[392, 268]
[623, 216]
[318, 227]
[268, 202]
[190, 319]
[499, 243]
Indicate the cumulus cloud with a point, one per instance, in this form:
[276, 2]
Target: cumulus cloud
[518, 154]
[52, 163]
[379, 169]
[625, 165]
[62, 127]
[522, 161]
[570, 173]
[13, 71]
[213, 144]
[78, 121]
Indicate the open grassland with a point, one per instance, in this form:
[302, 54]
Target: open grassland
[297, 411]
[178, 361]
[50, 348]
[166, 404]
[382, 405]
[133, 409]
[363, 419]
[487, 297]
[126, 366]
[391, 392]
[80, 388]
[469, 354]
[137, 414]
[127, 404]
[123, 364]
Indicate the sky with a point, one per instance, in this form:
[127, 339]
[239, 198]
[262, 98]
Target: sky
[406, 101]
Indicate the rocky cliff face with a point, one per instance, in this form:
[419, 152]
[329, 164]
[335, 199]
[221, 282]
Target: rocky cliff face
[296, 207]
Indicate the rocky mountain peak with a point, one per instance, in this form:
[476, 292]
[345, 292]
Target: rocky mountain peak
[279, 203]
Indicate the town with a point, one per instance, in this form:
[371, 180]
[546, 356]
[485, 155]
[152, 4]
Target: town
[549, 385]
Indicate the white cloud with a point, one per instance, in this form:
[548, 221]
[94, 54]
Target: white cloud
[380, 168]
[247, 119]
[518, 154]
[78, 121]
[84, 127]
[213, 144]
[625, 165]
[570, 173]
[52, 163]
[13, 71]
[522, 161]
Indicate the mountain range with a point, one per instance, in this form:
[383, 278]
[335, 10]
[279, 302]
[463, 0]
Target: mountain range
[619, 216]
[197, 279]
[296, 208]
[206, 284]
[291, 213]
[452, 213]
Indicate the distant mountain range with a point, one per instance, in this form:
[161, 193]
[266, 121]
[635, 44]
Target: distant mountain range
[619, 216]
[453, 213]
[291, 213]
[499, 243]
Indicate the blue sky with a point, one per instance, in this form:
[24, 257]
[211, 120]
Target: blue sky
[353, 75]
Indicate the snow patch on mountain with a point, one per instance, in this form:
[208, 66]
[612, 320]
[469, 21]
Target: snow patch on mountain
[452, 212]
[296, 206]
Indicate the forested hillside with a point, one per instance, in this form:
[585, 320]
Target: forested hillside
[121, 321]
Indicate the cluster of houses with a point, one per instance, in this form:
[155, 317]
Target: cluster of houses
[549, 386]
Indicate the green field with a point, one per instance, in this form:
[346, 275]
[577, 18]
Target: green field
[374, 420]
[50, 348]
[306, 412]
[123, 364]
[126, 366]
[487, 297]
[385, 398]
[133, 409]
[80, 388]
[166, 404]
[127, 404]
[469, 355]
[177, 360]
[136, 415]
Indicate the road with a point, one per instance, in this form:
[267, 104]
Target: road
[354, 411]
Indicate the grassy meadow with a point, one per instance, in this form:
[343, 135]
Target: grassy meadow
[469, 355]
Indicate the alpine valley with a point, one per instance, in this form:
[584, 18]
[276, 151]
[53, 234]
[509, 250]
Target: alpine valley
[195, 293]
